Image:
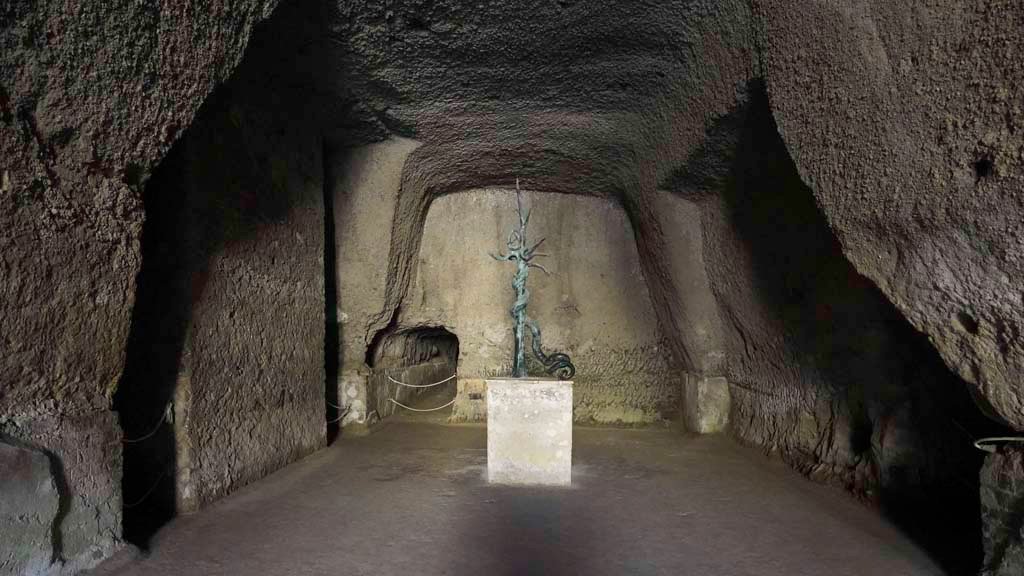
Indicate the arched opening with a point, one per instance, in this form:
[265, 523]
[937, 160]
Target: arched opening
[412, 372]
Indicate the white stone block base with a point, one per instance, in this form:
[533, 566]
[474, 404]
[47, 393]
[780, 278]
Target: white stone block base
[529, 431]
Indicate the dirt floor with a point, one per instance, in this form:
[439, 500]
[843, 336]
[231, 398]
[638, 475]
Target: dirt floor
[411, 499]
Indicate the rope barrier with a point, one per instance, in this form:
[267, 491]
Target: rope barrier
[148, 492]
[159, 423]
[343, 414]
[986, 444]
[422, 385]
[422, 409]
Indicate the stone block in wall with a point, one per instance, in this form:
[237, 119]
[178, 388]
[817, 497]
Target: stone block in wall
[28, 507]
[1002, 512]
[83, 454]
[354, 399]
[470, 401]
[705, 403]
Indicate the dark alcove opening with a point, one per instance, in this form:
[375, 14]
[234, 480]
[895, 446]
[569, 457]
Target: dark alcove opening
[420, 357]
[145, 394]
[332, 326]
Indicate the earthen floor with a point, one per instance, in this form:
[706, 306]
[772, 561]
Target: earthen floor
[411, 499]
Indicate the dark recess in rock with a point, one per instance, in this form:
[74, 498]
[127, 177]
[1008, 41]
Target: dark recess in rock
[838, 383]
[967, 322]
[163, 307]
[332, 326]
[413, 346]
[984, 167]
[231, 252]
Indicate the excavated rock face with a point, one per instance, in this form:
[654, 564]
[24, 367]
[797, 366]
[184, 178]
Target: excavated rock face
[225, 360]
[906, 122]
[92, 95]
[822, 367]
[497, 91]
[899, 123]
[592, 304]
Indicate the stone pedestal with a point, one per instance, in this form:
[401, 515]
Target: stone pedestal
[705, 403]
[529, 431]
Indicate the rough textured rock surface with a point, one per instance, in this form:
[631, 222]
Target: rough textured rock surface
[363, 184]
[28, 509]
[902, 119]
[229, 324]
[906, 122]
[689, 312]
[594, 305]
[822, 368]
[92, 96]
[1002, 507]
[85, 463]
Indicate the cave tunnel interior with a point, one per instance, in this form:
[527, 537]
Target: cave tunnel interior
[318, 285]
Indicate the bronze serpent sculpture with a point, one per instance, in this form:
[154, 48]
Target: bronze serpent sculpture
[557, 364]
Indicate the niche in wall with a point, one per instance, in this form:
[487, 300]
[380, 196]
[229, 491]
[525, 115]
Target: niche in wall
[419, 356]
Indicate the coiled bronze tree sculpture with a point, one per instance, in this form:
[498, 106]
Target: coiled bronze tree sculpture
[557, 363]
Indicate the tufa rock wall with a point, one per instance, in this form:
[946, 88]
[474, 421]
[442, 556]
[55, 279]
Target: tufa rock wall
[1002, 507]
[905, 121]
[594, 305]
[231, 296]
[92, 96]
[822, 369]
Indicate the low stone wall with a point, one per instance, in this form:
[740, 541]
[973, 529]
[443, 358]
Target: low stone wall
[629, 401]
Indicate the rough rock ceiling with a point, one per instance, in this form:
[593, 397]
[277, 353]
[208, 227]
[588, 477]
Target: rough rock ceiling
[587, 82]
